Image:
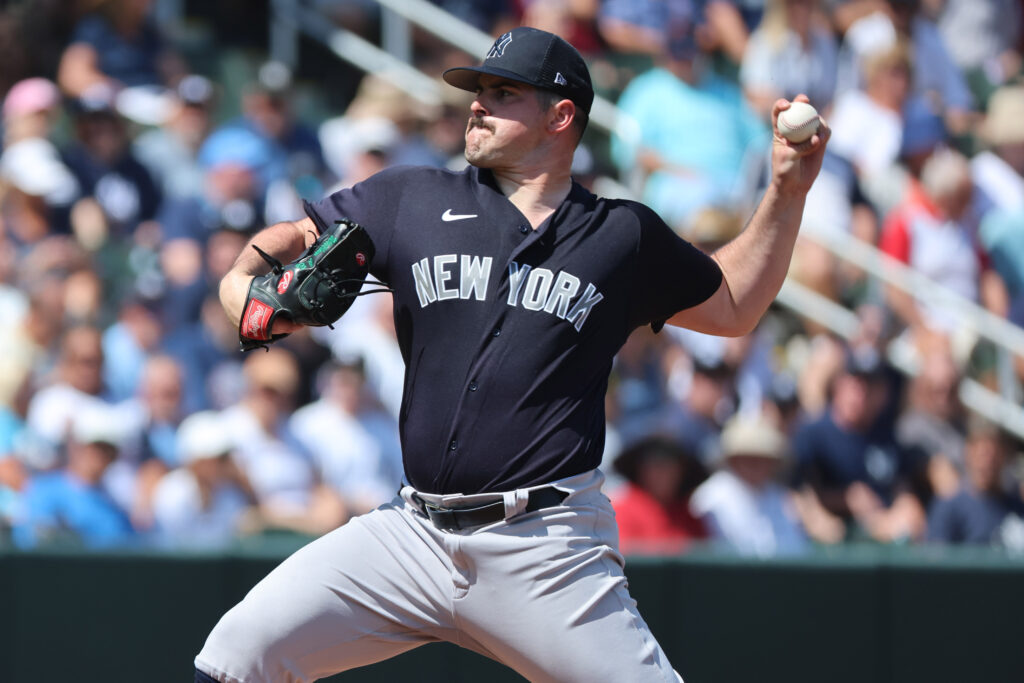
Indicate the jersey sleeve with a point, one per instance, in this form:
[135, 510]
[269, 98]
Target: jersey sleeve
[373, 204]
[670, 275]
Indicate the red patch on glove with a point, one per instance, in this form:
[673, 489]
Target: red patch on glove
[255, 322]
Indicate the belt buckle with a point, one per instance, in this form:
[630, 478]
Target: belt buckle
[441, 517]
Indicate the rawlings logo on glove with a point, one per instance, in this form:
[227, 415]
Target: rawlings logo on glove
[314, 289]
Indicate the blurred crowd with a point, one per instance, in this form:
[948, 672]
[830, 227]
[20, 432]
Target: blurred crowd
[128, 417]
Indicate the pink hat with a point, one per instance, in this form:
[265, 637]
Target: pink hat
[29, 96]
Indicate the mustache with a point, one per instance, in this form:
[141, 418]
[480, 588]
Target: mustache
[478, 122]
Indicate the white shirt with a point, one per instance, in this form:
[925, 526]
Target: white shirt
[865, 133]
[278, 468]
[754, 522]
[791, 68]
[181, 519]
[359, 457]
[1001, 186]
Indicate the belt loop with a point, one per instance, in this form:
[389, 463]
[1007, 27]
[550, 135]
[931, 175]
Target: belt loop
[408, 494]
[515, 502]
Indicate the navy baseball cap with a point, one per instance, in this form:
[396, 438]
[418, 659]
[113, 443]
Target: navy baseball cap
[534, 57]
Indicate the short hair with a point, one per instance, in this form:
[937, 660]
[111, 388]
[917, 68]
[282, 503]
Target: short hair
[899, 54]
[548, 98]
[945, 172]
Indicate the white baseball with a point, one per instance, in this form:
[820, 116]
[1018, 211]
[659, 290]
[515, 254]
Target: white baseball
[798, 123]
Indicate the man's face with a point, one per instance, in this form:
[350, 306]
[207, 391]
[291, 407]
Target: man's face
[507, 122]
[984, 458]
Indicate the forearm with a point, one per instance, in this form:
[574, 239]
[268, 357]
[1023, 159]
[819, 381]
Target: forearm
[284, 241]
[754, 265]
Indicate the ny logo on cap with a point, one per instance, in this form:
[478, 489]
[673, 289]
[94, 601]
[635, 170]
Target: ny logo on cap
[498, 49]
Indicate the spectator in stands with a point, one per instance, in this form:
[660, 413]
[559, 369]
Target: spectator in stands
[353, 441]
[103, 164]
[653, 508]
[170, 151]
[29, 110]
[131, 338]
[1002, 238]
[151, 417]
[931, 231]
[743, 505]
[368, 331]
[115, 46]
[233, 193]
[277, 466]
[694, 139]
[985, 510]
[574, 20]
[850, 467]
[869, 121]
[203, 503]
[983, 38]
[77, 386]
[385, 126]
[28, 341]
[490, 16]
[934, 420]
[36, 186]
[207, 352]
[998, 174]
[70, 504]
[998, 171]
[197, 231]
[860, 172]
[936, 77]
[793, 51]
[358, 148]
[707, 403]
[296, 162]
[648, 27]
[637, 390]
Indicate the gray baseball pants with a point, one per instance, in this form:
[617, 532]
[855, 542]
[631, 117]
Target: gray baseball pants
[542, 592]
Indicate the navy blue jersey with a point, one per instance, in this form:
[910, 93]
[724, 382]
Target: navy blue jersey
[508, 333]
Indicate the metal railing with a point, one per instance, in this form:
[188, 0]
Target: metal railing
[392, 63]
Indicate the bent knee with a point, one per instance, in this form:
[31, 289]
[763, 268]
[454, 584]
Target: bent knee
[240, 648]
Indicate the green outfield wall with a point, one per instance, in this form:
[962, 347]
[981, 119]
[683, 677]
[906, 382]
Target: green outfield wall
[858, 615]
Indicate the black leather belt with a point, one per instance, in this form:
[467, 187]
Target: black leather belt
[465, 518]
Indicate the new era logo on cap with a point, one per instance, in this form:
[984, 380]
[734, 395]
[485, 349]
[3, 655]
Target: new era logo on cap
[534, 57]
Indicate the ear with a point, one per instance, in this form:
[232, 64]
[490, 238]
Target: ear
[561, 116]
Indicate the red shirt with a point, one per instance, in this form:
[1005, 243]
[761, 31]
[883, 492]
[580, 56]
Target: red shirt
[648, 527]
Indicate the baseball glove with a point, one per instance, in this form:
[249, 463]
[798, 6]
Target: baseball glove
[315, 289]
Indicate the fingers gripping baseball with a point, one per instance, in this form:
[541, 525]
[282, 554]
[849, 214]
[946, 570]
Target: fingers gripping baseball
[799, 139]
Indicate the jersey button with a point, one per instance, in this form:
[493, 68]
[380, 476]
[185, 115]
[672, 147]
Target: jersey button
[453, 445]
[497, 332]
[473, 386]
[523, 229]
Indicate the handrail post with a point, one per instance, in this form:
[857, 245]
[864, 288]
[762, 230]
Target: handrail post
[284, 33]
[396, 35]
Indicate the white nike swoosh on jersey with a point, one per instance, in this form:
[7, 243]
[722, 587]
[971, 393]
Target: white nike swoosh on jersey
[449, 216]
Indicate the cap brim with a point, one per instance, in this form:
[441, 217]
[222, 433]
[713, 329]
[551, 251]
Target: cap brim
[468, 77]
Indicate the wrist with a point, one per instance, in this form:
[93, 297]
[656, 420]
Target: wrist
[234, 287]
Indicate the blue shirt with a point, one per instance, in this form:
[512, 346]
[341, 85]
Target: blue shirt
[971, 517]
[56, 504]
[507, 332]
[832, 457]
[708, 127]
[132, 60]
